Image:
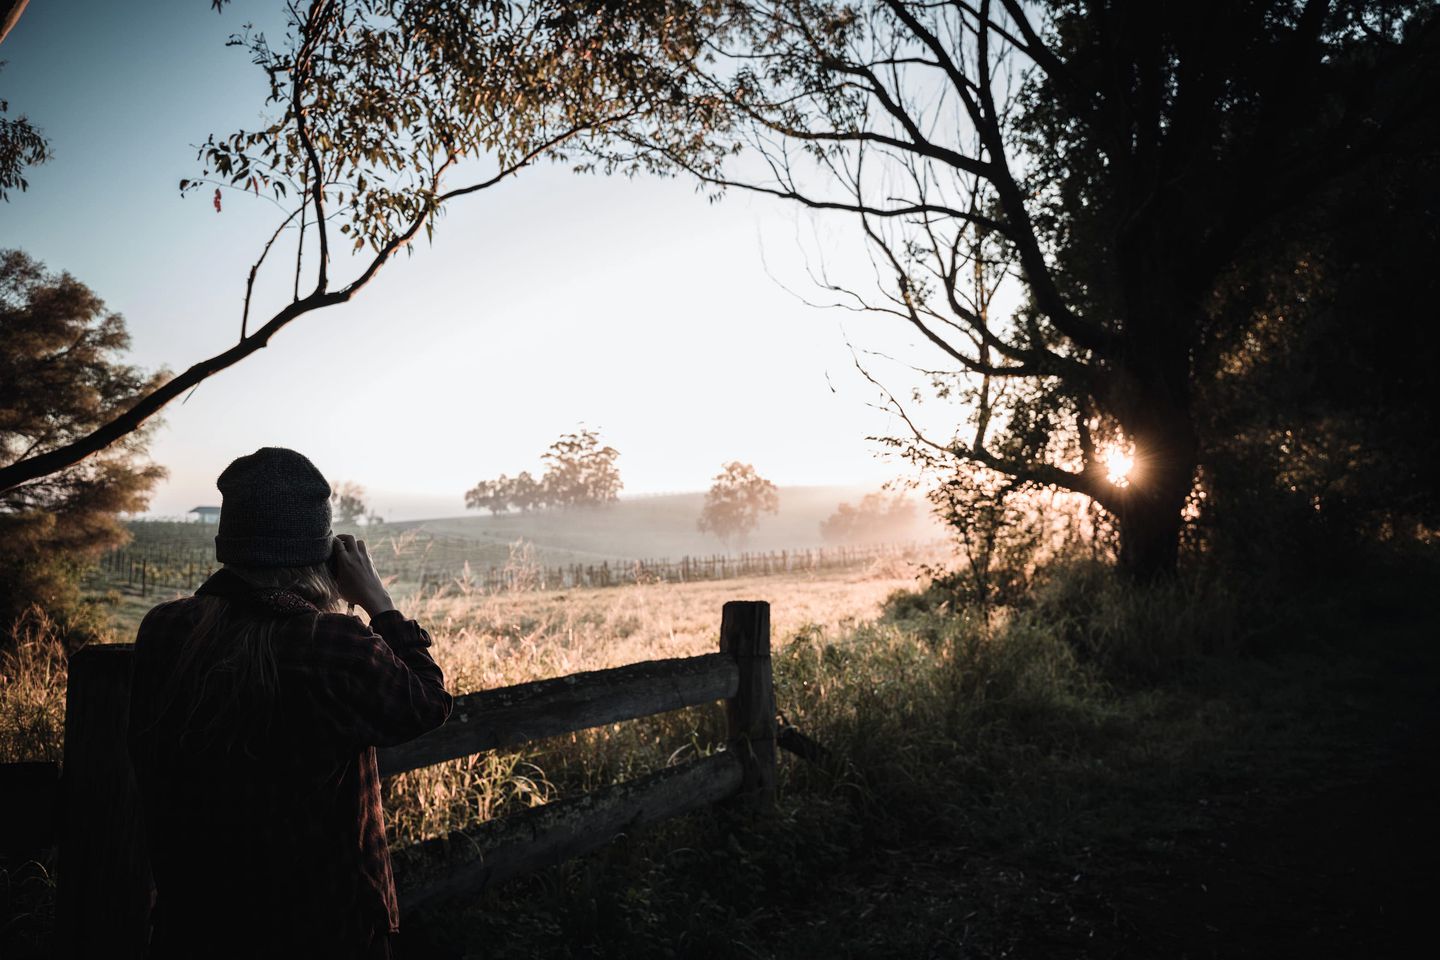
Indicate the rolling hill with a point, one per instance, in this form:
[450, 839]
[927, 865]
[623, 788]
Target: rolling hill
[664, 526]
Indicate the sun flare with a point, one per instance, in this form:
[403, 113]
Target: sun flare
[1119, 462]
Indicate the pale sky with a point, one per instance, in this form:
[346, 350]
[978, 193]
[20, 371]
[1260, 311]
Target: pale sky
[633, 306]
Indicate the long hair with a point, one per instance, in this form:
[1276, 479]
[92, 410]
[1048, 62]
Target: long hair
[223, 689]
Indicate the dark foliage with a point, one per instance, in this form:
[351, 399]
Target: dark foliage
[60, 375]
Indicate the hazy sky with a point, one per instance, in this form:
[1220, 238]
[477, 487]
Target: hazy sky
[633, 306]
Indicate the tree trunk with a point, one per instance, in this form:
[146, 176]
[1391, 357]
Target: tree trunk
[1150, 395]
[1151, 508]
[1150, 536]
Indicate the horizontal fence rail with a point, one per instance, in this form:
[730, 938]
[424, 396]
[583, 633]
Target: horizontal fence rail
[493, 719]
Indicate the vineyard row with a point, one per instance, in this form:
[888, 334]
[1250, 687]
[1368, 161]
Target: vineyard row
[439, 563]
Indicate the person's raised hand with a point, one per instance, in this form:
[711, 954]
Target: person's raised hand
[356, 577]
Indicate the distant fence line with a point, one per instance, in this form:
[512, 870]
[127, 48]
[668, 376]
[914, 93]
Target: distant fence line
[445, 562]
[520, 576]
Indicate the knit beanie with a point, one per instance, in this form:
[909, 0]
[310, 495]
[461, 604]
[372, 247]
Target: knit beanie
[274, 511]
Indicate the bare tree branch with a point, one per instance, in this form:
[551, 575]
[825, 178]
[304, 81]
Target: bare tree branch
[1044, 474]
[26, 470]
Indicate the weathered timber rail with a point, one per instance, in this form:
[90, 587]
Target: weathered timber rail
[104, 891]
[493, 719]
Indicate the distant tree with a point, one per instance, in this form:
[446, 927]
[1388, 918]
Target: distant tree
[60, 375]
[735, 501]
[580, 472]
[347, 502]
[876, 517]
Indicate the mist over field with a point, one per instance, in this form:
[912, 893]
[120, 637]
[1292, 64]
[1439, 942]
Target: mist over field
[664, 525]
[640, 525]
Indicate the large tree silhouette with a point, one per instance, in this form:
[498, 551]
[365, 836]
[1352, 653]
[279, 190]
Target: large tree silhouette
[1115, 159]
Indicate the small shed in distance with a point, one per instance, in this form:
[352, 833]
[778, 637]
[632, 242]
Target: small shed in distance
[207, 514]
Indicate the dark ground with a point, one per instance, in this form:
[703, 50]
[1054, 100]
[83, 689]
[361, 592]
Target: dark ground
[1347, 871]
[1337, 859]
[1334, 857]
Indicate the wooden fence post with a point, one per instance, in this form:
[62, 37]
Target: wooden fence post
[750, 714]
[103, 899]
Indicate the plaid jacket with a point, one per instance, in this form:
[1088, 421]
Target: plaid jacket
[271, 841]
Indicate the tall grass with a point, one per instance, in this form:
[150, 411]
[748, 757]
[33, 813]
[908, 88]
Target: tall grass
[32, 690]
[912, 700]
[907, 695]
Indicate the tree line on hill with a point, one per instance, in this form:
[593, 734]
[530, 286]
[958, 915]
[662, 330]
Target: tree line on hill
[579, 472]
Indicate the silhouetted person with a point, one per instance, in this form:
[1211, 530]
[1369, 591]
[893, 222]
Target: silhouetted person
[254, 719]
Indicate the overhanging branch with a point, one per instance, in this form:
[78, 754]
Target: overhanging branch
[32, 468]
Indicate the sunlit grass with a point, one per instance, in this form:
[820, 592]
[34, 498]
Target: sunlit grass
[484, 641]
[32, 691]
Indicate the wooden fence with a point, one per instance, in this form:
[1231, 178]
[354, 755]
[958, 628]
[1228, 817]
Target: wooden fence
[104, 877]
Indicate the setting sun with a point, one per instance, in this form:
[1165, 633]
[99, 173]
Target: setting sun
[1119, 462]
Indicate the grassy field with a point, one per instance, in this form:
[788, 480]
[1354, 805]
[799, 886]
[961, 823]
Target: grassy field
[806, 595]
[165, 559]
[1208, 768]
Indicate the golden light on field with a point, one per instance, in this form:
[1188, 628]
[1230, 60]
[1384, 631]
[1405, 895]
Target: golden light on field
[1119, 463]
